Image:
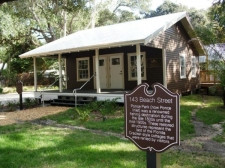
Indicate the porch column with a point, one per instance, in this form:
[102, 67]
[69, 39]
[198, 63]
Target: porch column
[60, 72]
[35, 74]
[164, 67]
[97, 71]
[138, 53]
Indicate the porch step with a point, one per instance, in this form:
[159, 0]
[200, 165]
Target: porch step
[70, 100]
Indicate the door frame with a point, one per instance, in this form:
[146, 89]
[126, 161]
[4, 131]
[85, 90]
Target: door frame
[107, 56]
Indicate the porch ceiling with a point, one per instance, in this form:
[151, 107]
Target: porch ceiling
[128, 33]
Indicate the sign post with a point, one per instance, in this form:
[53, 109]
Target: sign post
[152, 121]
[19, 90]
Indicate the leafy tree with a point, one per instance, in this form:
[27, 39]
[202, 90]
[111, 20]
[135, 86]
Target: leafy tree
[217, 29]
[166, 8]
[49, 19]
[27, 24]
[197, 17]
[212, 34]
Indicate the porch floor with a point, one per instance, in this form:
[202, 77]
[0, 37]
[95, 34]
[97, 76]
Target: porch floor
[103, 91]
[106, 94]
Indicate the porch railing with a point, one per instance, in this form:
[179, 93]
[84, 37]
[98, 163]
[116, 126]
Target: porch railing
[43, 90]
[75, 90]
[208, 77]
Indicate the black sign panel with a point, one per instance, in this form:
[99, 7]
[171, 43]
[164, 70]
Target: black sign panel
[19, 87]
[152, 120]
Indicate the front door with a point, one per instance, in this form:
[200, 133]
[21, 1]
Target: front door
[111, 71]
[116, 72]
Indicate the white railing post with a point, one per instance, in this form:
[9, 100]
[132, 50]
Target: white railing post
[35, 74]
[138, 53]
[60, 72]
[98, 87]
[164, 67]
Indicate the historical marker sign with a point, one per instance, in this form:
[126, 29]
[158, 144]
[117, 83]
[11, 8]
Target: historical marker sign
[152, 120]
[19, 87]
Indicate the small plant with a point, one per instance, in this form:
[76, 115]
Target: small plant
[1, 106]
[83, 113]
[30, 102]
[11, 106]
[106, 107]
[1, 90]
[212, 90]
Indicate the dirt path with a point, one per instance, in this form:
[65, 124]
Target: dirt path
[203, 140]
[7, 118]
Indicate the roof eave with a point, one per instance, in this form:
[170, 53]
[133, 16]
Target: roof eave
[164, 28]
[86, 48]
[194, 38]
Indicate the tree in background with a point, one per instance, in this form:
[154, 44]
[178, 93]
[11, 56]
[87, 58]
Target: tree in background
[197, 17]
[213, 34]
[36, 22]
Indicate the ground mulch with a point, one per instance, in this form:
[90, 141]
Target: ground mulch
[7, 118]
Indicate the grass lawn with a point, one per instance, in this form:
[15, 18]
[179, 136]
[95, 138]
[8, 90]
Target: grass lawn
[115, 123]
[26, 145]
[187, 105]
[213, 113]
[35, 146]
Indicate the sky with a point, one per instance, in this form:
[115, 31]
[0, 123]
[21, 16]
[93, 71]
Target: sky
[198, 4]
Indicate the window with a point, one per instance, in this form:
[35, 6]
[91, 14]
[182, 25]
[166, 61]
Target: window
[193, 66]
[182, 67]
[132, 66]
[115, 61]
[101, 62]
[83, 73]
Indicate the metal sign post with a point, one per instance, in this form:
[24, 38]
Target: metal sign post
[152, 121]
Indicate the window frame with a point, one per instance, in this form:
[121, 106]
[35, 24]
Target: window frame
[193, 73]
[184, 66]
[129, 55]
[77, 63]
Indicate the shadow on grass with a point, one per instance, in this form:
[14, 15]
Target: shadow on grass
[50, 147]
[35, 146]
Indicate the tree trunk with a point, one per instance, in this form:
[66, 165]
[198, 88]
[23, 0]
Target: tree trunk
[93, 15]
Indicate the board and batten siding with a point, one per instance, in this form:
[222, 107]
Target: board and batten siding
[175, 41]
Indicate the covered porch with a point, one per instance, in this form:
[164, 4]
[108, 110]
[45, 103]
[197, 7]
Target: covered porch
[108, 74]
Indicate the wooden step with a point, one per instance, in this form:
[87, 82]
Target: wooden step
[70, 100]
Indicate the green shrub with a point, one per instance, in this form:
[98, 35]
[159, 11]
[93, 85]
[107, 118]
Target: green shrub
[11, 106]
[30, 102]
[1, 90]
[83, 113]
[106, 107]
[1, 106]
[212, 90]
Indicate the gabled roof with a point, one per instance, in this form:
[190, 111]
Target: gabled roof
[128, 33]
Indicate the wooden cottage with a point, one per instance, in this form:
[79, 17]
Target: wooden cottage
[162, 49]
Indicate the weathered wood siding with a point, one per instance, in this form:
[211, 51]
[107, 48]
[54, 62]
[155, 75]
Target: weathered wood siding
[175, 41]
